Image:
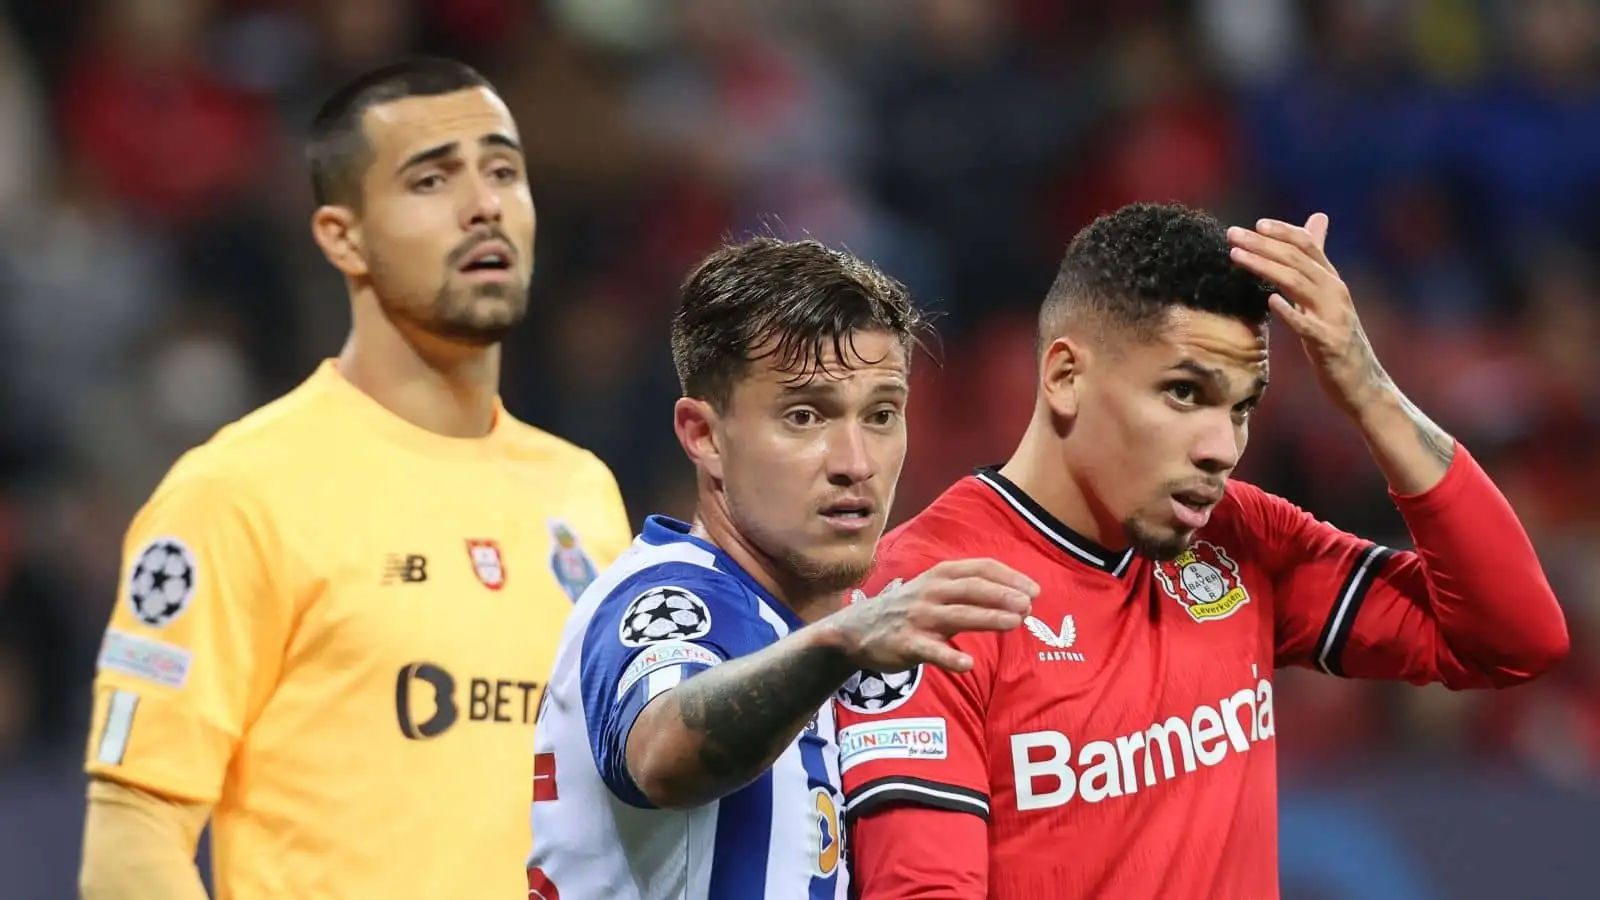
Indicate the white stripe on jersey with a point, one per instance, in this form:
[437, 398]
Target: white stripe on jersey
[780, 837]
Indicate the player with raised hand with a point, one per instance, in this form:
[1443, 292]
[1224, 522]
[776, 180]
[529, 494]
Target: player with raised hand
[338, 611]
[686, 746]
[1122, 745]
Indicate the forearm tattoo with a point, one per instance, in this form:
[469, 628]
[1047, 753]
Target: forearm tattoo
[1433, 438]
[746, 718]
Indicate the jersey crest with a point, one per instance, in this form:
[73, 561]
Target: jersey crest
[488, 563]
[1204, 580]
[571, 565]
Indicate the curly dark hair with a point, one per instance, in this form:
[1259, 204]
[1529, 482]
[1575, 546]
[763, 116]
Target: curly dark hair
[1129, 267]
[786, 300]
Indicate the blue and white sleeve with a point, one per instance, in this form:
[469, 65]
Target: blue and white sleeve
[654, 630]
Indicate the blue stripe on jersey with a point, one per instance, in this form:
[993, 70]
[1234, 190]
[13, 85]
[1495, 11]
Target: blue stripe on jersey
[744, 831]
[830, 828]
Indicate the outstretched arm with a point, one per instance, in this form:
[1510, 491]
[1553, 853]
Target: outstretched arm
[718, 730]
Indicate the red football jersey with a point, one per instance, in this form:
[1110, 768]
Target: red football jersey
[1121, 744]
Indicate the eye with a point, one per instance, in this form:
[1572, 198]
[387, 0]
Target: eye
[801, 418]
[428, 183]
[1243, 411]
[1187, 393]
[506, 174]
[884, 417]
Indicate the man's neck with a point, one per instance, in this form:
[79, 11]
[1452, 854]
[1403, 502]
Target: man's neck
[1039, 469]
[444, 388]
[711, 524]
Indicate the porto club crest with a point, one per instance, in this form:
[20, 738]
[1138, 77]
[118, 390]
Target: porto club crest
[571, 565]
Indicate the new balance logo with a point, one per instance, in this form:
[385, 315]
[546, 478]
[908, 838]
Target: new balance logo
[1057, 641]
[405, 568]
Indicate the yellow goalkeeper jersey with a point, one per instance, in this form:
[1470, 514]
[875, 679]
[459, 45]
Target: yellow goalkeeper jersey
[335, 626]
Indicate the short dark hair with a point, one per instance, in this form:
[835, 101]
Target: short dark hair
[799, 297]
[337, 149]
[1129, 267]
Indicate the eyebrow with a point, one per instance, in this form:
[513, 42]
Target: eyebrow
[444, 151]
[815, 388]
[1215, 377]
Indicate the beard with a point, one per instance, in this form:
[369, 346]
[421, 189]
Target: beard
[827, 577]
[474, 315]
[480, 314]
[1153, 545]
[799, 569]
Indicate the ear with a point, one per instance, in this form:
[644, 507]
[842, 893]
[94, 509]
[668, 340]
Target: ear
[337, 230]
[695, 423]
[1060, 375]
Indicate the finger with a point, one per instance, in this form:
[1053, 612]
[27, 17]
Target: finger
[989, 569]
[1303, 238]
[977, 591]
[1298, 322]
[956, 618]
[1317, 227]
[1282, 251]
[1293, 282]
[935, 652]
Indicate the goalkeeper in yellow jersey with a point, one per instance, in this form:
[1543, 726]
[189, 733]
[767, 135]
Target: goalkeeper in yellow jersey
[337, 615]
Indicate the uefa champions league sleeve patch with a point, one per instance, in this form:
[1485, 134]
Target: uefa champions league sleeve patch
[162, 581]
[871, 693]
[664, 614]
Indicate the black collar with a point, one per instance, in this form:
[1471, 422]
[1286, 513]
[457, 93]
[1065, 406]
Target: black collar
[1079, 548]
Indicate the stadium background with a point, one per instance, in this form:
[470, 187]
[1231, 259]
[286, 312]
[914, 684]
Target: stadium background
[157, 280]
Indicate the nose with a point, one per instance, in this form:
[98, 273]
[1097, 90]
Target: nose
[1218, 445]
[481, 205]
[849, 463]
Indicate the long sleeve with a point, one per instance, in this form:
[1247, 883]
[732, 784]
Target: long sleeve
[140, 846]
[1470, 607]
[920, 853]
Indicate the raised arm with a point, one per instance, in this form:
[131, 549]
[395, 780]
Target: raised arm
[1471, 607]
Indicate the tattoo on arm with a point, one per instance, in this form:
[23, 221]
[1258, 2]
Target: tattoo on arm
[746, 712]
[1373, 371]
[1438, 444]
[1433, 438]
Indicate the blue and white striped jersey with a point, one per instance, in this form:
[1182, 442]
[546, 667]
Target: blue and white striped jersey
[671, 606]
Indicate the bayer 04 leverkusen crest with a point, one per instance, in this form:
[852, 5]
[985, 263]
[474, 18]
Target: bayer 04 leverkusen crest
[1204, 580]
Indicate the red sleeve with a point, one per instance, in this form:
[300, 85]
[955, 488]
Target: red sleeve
[916, 738]
[1469, 608]
[913, 853]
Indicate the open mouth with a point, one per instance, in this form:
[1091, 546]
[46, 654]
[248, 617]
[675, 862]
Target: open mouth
[848, 513]
[491, 257]
[1193, 508]
[1195, 501]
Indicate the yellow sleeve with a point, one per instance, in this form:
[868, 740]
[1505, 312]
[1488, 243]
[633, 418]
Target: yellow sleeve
[194, 643]
[137, 846]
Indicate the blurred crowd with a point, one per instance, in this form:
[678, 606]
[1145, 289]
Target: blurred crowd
[157, 278]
